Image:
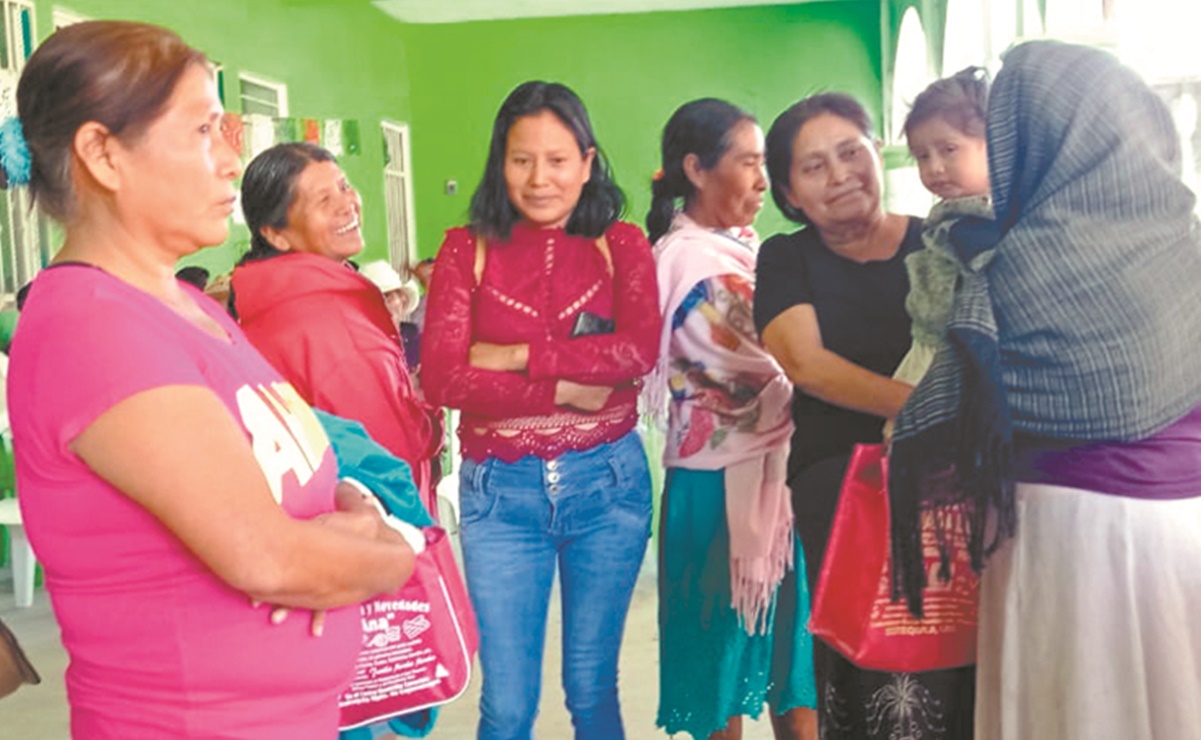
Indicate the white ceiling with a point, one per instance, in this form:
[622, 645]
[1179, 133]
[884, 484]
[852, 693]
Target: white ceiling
[457, 11]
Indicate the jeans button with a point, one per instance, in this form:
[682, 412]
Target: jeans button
[553, 478]
[553, 489]
[552, 465]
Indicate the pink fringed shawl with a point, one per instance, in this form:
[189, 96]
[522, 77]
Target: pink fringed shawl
[748, 438]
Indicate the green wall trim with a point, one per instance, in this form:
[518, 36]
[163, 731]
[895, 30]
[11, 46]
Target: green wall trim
[348, 60]
[339, 60]
[632, 71]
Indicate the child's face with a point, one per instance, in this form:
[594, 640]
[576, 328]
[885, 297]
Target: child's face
[952, 164]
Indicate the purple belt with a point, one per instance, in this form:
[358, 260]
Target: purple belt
[1164, 466]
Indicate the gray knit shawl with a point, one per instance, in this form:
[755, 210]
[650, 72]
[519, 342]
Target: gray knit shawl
[1091, 298]
[934, 269]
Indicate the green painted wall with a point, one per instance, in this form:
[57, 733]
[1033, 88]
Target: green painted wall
[345, 59]
[339, 60]
[632, 71]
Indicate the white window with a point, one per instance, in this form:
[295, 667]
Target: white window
[966, 36]
[1030, 22]
[1002, 30]
[24, 241]
[19, 30]
[1077, 20]
[1157, 38]
[398, 195]
[218, 71]
[64, 18]
[912, 72]
[24, 237]
[978, 33]
[1183, 102]
[261, 96]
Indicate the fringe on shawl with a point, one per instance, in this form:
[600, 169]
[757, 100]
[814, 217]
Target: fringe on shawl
[754, 583]
[967, 472]
[652, 401]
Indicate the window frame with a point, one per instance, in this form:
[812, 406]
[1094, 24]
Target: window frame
[280, 88]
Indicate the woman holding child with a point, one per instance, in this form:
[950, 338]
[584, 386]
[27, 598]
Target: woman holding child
[830, 306]
[1065, 415]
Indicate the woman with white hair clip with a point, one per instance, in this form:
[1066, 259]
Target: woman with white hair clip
[170, 478]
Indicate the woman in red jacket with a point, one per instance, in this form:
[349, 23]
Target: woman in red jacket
[321, 324]
[543, 316]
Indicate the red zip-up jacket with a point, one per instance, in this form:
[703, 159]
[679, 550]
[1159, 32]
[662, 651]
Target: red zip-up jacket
[327, 330]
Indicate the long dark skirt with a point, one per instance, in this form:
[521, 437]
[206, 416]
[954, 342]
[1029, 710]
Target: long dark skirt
[858, 704]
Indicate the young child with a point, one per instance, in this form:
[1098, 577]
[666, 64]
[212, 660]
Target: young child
[945, 130]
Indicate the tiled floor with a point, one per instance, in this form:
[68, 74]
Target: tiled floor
[40, 712]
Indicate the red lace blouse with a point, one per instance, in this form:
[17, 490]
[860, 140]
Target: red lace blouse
[532, 289]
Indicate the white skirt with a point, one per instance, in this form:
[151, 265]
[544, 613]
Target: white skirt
[1090, 621]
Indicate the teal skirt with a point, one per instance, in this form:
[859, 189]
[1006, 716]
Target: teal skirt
[710, 669]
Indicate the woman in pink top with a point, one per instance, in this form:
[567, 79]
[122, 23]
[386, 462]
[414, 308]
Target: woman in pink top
[170, 480]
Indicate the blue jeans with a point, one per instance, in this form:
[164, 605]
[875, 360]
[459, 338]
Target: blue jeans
[588, 513]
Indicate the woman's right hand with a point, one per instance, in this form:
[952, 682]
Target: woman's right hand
[499, 357]
[355, 513]
[794, 338]
[588, 398]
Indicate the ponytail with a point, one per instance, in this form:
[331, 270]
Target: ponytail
[663, 209]
[702, 128]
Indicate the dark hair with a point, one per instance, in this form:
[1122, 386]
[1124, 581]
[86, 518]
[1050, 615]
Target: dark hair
[961, 99]
[782, 137]
[601, 201]
[269, 190]
[193, 275]
[23, 295]
[118, 73]
[701, 127]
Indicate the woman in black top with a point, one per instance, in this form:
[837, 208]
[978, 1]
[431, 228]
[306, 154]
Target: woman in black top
[830, 306]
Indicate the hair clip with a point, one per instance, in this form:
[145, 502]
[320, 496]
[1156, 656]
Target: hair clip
[14, 152]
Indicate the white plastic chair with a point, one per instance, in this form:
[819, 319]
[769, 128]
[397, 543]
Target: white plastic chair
[448, 488]
[20, 554]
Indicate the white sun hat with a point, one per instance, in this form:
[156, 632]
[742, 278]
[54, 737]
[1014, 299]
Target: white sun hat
[387, 280]
[383, 275]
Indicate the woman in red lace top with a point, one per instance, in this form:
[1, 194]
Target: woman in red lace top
[543, 316]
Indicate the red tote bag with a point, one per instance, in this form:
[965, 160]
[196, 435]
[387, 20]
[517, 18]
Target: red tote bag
[853, 609]
[418, 644]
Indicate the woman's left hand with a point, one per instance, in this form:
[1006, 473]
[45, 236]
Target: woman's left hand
[500, 357]
[316, 626]
[359, 517]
